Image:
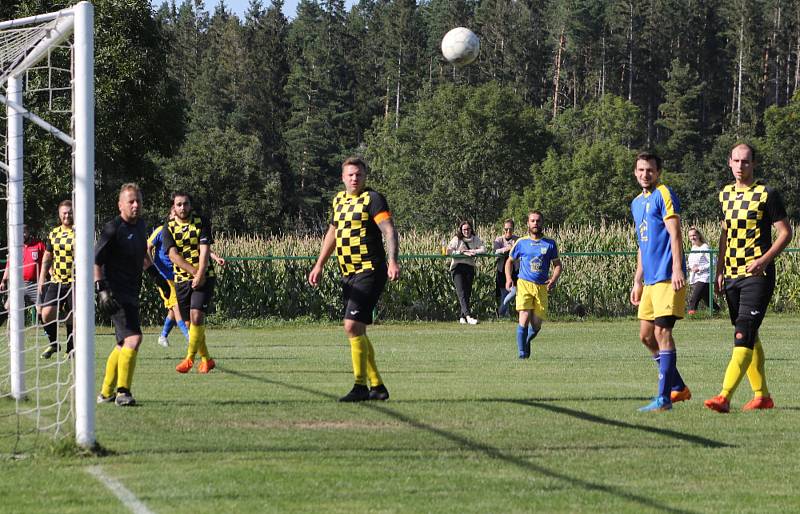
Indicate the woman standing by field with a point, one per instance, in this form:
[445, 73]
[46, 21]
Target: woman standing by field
[465, 244]
[699, 264]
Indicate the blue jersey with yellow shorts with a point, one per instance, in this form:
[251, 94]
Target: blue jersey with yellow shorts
[535, 256]
[650, 210]
[163, 264]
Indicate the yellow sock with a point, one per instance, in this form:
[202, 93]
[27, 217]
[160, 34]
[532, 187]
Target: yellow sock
[740, 361]
[372, 369]
[125, 367]
[196, 333]
[359, 352]
[202, 349]
[755, 372]
[110, 378]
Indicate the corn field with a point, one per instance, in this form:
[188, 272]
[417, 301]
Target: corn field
[266, 278]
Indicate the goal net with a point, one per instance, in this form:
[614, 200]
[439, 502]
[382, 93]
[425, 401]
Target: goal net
[47, 115]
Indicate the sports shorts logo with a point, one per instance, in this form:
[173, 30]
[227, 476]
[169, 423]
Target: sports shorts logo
[754, 313]
[353, 313]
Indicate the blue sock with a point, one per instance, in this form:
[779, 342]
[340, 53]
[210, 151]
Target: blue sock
[168, 324]
[184, 329]
[666, 366]
[677, 381]
[522, 338]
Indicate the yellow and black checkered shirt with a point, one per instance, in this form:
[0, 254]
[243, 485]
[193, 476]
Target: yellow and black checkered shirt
[359, 243]
[749, 214]
[187, 238]
[60, 244]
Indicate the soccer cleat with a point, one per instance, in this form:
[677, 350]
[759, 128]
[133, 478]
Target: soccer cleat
[657, 405]
[184, 366]
[359, 393]
[379, 392]
[49, 351]
[718, 403]
[163, 341]
[105, 399]
[206, 366]
[124, 399]
[680, 396]
[471, 320]
[462, 320]
[759, 402]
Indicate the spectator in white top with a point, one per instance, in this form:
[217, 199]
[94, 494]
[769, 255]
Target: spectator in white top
[699, 264]
[463, 247]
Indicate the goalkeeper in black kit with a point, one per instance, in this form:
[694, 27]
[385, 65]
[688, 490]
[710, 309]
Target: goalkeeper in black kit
[119, 258]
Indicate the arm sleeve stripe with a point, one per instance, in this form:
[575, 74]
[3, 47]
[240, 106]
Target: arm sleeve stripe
[669, 206]
[382, 216]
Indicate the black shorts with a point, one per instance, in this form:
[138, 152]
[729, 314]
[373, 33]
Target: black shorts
[361, 292]
[198, 299]
[57, 294]
[126, 322]
[750, 296]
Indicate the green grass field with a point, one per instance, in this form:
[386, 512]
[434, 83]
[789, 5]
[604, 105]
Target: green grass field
[468, 428]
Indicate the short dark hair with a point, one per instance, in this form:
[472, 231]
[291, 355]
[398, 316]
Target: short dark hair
[749, 147]
[178, 193]
[64, 203]
[355, 161]
[534, 211]
[509, 220]
[649, 156]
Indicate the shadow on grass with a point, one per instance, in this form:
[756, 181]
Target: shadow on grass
[585, 416]
[487, 450]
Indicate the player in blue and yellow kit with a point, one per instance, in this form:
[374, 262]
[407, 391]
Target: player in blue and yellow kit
[160, 256]
[746, 273]
[359, 218]
[535, 253]
[659, 286]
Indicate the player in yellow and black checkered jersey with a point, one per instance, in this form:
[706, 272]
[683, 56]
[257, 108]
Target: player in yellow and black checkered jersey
[360, 221]
[746, 272]
[55, 278]
[187, 239]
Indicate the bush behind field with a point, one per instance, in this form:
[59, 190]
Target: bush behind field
[250, 287]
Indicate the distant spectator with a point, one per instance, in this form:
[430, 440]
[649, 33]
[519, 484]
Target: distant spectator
[502, 246]
[32, 253]
[464, 246]
[699, 265]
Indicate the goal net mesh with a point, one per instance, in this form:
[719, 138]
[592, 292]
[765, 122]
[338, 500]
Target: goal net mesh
[36, 389]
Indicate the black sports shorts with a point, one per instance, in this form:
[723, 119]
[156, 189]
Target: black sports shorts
[57, 294]
[126, 322]
[750, 296]
[361, 292]
[199, 299]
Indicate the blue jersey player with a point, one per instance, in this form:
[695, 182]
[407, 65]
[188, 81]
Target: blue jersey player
[535, 254]
[158, 253]
[659, 286]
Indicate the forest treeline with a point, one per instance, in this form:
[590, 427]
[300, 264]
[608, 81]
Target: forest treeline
[254, 115]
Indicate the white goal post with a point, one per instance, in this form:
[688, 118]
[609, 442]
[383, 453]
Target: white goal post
[24, 43]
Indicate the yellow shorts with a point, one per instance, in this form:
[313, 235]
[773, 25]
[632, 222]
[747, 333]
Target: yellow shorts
[660, 299]
[532, 296]
[172, 301]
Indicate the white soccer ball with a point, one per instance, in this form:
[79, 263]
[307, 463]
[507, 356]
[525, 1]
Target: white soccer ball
[460, 46]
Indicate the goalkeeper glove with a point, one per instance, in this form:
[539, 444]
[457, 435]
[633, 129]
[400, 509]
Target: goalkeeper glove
[160, 281]
[106, 303]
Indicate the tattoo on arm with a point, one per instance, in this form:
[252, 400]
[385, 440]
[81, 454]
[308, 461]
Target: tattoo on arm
[392, 240]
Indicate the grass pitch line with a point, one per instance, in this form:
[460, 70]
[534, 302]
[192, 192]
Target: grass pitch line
[120, 491]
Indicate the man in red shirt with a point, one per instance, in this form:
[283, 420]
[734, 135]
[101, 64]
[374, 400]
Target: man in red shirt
[32, 252]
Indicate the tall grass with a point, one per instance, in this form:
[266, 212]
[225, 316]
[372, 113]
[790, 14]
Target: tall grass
[265, 277]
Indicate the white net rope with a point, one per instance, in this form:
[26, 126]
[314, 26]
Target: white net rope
[44, 407]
